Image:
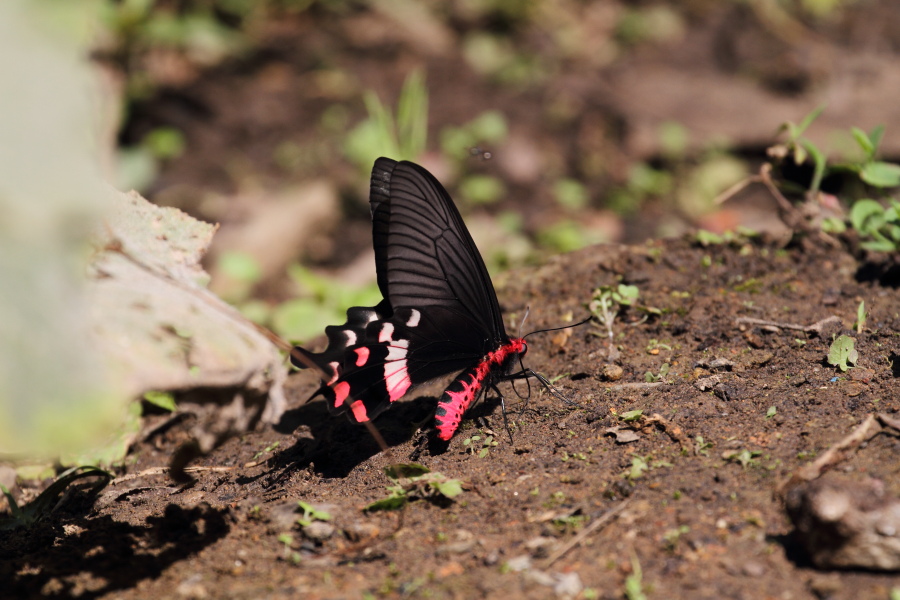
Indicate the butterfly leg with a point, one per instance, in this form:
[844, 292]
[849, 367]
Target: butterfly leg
[503, 412]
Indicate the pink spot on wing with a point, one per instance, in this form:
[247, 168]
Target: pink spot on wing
[341, 391]
[359, 411]
[362, 355]
[396, 379]
[387, 330]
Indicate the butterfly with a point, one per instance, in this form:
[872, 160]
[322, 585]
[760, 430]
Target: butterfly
[439, 314]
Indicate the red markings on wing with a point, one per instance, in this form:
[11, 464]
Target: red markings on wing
[341, 391]
[359, 411]
[362, 355]
[461, 393]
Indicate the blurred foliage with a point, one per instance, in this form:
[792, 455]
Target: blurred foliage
[401, 136]
[875, 219]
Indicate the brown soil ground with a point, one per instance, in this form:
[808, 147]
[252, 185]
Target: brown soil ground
[700, 525]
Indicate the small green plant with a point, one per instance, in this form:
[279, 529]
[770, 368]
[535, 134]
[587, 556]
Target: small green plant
[163, 400]
[311, 514]
[472, 446]
[650, 377]
[634, 583]
[701, 446]
[842, 352]
[40, 507]
[632, 415]
[771, 412]
[414, 481]
[746, 458]
[266, 450]
[639, 466]
[671, 537]
[401, 136]
[861, 315]
[606, 303]
[654, 346]
[878, 225]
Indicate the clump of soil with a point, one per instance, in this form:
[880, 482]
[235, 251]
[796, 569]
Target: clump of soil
[747, 399]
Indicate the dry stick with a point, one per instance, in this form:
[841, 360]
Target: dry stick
[837, 453]
[602, 520]
[815, 327]
[642, 385]
[163, 470]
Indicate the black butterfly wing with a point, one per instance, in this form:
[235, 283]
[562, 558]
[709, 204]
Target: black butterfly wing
[425, 256]
[440, 312]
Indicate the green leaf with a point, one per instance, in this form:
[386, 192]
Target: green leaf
[881, 174]
[875, 137]
[842, 352]
[631, 415]
[808, 119]
[820, 162]
[708, 238]
[771, 412]
[626, 294]
[44, 503]
[390, 503]
[867, 216]
[862, 138]
[163, 400]
[449, 487]
[405, 470]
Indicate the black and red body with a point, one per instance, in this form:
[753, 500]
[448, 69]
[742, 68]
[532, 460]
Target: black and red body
[439, 314]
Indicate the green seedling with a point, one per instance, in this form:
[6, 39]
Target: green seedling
[701, 446]
[472, 446]
[607, 302]
[631, 415]
[311, 514]
[412, 482]
[401, 136]
[746, 458]
[671, 537]
[266, 450]
[163, 400]
[650, 377]
[40, 507]
[634, 584]
[878, 225]
[861, 315]
[771, 412]
[842, 352]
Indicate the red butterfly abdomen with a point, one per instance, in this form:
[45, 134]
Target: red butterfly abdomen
[460, 394]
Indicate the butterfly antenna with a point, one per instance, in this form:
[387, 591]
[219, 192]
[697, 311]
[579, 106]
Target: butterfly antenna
[579, 323]
[522, 323]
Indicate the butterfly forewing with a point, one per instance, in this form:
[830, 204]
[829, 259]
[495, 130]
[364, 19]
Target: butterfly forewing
[424, 253]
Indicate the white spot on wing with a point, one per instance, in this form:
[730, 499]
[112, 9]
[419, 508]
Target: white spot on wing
[414, 317]
[351, 337]
[387, 330]
[397, 350]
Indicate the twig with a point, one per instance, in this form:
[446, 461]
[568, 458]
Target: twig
[598, 522]
[164, 470]
[837, 453]
[814, 328]
[642, 385]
